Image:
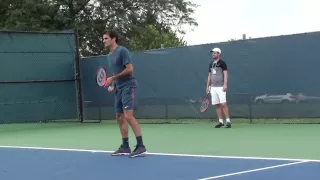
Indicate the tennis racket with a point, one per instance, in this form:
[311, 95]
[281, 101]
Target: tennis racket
[205, 103]
[101, 77]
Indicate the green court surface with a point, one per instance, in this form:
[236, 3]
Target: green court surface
[296, 141]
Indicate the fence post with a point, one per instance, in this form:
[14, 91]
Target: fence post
[250, 108]
[100, 111]
[166, 111]
[78, 79]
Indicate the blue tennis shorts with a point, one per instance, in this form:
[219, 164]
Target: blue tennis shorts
[125, 99]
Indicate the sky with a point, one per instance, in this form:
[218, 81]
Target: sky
[221, 20]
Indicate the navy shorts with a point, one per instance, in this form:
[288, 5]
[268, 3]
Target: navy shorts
[125, 99]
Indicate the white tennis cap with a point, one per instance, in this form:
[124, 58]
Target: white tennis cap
[216, 50]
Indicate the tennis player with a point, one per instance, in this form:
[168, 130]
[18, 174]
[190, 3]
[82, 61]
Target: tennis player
[124, 84]
[217, 86]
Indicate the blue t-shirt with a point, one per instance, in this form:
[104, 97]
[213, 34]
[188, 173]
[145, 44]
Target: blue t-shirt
[117, 61]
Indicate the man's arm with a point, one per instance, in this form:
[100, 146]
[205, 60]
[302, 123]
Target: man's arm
[127, 62]
[225, 74]
[128, 70]
[209, 80]
[209, 76]
[225, 80]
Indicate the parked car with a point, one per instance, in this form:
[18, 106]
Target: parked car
[275, 99]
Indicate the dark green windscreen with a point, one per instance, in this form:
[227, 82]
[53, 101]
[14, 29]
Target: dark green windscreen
[275, 77]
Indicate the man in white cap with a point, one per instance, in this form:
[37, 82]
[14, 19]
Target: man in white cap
[217, 86]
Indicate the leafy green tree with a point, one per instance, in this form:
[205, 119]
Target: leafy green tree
[142, 24]
[150, 37]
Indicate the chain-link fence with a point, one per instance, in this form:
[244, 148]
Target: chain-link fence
[38, 77]
[271, 80]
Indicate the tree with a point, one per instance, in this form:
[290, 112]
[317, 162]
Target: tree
[142, 24]
[150, 37]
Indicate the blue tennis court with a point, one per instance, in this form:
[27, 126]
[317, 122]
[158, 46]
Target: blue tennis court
[72, 164]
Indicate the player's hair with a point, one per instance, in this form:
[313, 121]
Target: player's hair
[112, 34]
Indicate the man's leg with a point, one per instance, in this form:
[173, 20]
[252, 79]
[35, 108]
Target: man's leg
[123, 125]
[226, 114]
[219, 114]
[128, 100]
[224, 106]
[124, 149]
[216, 102]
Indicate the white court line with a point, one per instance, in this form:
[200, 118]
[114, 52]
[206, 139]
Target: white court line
[162, 154]
[253, 170]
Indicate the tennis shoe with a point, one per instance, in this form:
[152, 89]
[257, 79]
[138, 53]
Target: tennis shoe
[219, 125]
[138, 151]
[122, 151]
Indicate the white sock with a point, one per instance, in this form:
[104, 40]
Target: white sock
[228, 119]
[221, 120]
